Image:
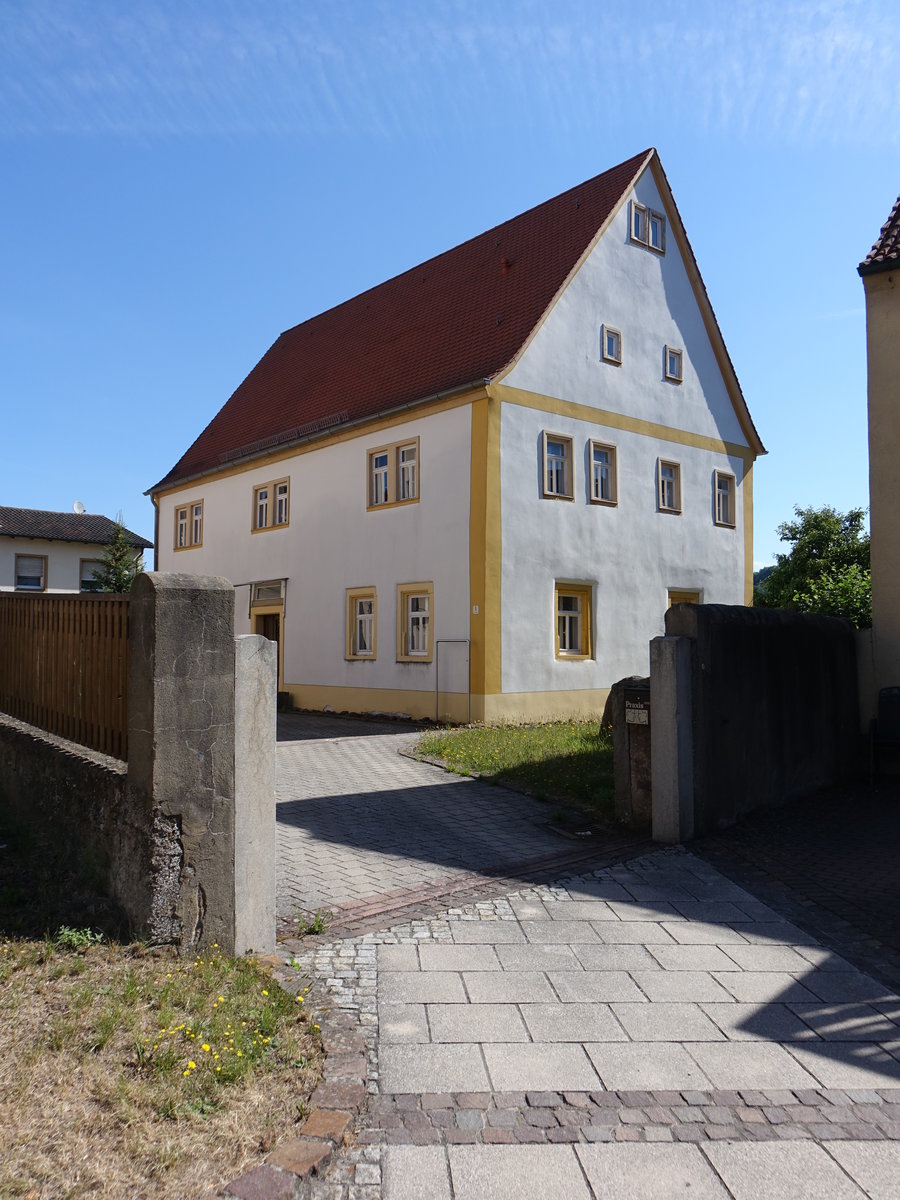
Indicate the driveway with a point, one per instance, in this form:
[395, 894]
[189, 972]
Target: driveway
[358, 822]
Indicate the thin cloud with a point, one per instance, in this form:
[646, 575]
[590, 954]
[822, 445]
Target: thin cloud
[794, 73]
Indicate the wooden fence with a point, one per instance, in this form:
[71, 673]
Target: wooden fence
[64, 666]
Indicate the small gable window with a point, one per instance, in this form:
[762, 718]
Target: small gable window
[674, 364]
[611, 342]
[648, 227]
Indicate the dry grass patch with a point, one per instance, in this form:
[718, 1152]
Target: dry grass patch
[127, 1071]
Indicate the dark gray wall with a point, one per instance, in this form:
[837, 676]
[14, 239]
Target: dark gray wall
[775, 708]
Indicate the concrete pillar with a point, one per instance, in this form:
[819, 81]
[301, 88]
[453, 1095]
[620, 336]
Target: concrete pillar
[255, 687]
[181, 739]
[671, 739]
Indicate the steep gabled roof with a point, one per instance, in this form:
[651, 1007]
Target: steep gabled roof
[885, 254]
[450, 322]
[63, 527]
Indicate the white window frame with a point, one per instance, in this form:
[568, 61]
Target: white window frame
[407, 471]
[572, 624]
[271, 505]
[42, 577]
[614, 355]
[597, 472]
[415, 622]
[647, 227]
[725, 494]
[668, 485]
[282, 502]
[357, 619]
[197, 523]
[673, 364]
[557, 469]
[379, 477]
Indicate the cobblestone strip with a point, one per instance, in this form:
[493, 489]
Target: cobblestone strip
[521, 1118]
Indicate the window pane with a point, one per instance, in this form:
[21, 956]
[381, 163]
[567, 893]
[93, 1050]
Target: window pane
[29, 573]
[281, 504]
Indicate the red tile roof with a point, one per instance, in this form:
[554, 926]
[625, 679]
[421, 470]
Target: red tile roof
[885, 254]
[452, 321]
[63, 527]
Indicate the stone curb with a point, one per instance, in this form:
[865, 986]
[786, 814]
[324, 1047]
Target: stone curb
[335, 1104]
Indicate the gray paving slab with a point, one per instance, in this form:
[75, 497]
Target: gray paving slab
[572, 1023]
[494, 933]
[398, 958]
[634, 1171]
[700, 933]
[599, 986]
[768, 958]
[774, 933]
[663, 1021]
[443, 957]
[694, 958]
[680, 985]
[565, 932]
[476, 1023]
[636, 1066]
[632, 910]
[875, 1167]
[849, 1064]
[846, 986]
[550, 1067]
[780, 1171]
[415, 1173]
[764, 1022]
[402, 1024]
[539, 958]
[720, 912]
[512, 987]
[847, 1022]
[515, 1172]
[625, 957]
[579, 910]
[632, 933]
[740, 1065]
[763, 986]
[421, 987]
[432, 1069]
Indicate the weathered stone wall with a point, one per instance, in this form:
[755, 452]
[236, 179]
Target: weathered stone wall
[773, 710]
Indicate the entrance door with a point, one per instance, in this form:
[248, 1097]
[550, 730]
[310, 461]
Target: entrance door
[269, 625]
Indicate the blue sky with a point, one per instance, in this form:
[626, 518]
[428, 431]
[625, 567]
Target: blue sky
[184, 179]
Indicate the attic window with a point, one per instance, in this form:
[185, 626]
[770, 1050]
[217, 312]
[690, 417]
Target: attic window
[648, 227]
[611, 342]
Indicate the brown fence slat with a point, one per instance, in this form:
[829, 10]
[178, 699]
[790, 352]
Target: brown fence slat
[64, 666]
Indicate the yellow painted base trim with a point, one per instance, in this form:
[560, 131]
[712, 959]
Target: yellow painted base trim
[405, 702]
[519, 708]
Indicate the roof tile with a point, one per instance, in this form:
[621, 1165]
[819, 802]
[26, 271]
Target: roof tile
[63, 527]
[885, 254]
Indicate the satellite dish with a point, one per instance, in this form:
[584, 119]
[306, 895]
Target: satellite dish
[78, 507]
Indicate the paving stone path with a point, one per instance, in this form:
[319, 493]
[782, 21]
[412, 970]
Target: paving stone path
[649, 1029]
[357, 820]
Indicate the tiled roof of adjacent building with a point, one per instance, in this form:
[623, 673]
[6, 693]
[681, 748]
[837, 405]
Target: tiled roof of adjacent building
[885, 254]
[452, 321]
[63, 527]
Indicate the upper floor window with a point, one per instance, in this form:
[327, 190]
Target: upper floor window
[557, 467]
[674, 364]
[648, 227]
[611, 341]
[668, 486]
[189, 525]
[393, 474]
[603, 473]
[725, 506]
[31, 572]
[271, 505]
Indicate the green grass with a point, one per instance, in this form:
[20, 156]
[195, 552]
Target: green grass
[568, 761]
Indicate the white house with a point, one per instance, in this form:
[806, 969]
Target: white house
[477, 487]
[55, 552]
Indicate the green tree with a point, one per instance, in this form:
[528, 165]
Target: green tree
[119, 563]
[827, 568]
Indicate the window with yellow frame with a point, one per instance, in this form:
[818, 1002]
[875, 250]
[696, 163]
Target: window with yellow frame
[573, 620]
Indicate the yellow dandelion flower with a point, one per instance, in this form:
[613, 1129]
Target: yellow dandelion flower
[221, 999]
[264, 992]
[205, 1047]
[218, 1068]
[192, 1064]
[185, 1072]
[239, 1054]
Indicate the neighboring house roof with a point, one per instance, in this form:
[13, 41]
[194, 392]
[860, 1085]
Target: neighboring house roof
[450, 323]
[885, 254]
[63, 527]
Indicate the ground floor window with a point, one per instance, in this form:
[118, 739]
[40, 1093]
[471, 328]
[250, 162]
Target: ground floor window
[415, 614]
[573, 620]
[361, 623]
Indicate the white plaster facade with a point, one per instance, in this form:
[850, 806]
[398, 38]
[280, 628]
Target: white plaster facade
[482, 531]
[63, 561]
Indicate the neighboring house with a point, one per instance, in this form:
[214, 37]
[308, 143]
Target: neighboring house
[518, 453]
[880, 273]
[54, 552]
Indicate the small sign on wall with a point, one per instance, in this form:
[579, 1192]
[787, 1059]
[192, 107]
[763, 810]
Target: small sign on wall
[637, 708]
